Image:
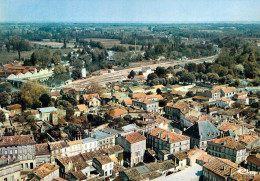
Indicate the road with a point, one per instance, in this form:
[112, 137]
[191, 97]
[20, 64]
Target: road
[121, 74]
[189, 174]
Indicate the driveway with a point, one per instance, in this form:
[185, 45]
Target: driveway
[188, 174]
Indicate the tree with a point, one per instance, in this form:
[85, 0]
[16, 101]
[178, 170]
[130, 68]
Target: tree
[152, 76]
[78, 64]
[93, 88]
[5, 86]
[76, 74]
[160, 72]
[56, 59]
[16, 97]
[45, 99]
[158, 91]
[162, 103]
[20, 45]
[41, 57]
[59, 69]
[5, 99]
[187, 77]
[132, 74]
[2, 116]
[63, 104]
[213, 77]
[31, 91]
[58, 53]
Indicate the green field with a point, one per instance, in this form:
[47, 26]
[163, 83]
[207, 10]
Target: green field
[6, 57]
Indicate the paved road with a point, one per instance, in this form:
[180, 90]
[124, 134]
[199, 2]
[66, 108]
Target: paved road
[121, 74]
[189, 174]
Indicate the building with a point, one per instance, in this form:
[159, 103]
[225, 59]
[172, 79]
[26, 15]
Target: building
[104, 165]
[50, 114]
[225, 170]
[20, 148]
[253, 162]
[134, 145]
[146, 104]
[228, 92]
[223, 102]
[10, 170]
[200, 133]
[92, 100]
[42, 153]
[148, 171]
[44, 172]
[228, 148]
[116, 113]
[161, 139]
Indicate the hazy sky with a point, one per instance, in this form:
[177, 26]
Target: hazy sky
[165, 11]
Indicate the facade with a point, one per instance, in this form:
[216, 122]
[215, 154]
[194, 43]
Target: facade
[20, 148]
[49, 114]
[134, 145]
[200, 133]
[43, 154]
[228, 148]
[160, 139]
[147, 105]
[10, 170]
[104, 165]
[223, 102]
[228, 92]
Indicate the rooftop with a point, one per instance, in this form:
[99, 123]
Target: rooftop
[166, 135]
[135, 137]
[16, 140]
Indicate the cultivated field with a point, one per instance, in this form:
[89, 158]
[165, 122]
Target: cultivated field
[6, 57]
[109, 43]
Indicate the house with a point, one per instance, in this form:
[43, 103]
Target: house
[243, 100]
[74, 167]
[188, 157]
[200, 133]
[116, 113]
[228, 92]
[204, 158]
[10, 169]
[237, 129]
[134, 145]
[104, 165]
[119, 97]
[45, 171]
[177, 93]
[50, 114]
[253, 162]
[127, 103]
[148, 171]
[139, 78]
[15, 108]
[160, 139]
[146, 104]
[20, 148]
[228, 148]
[224, 170]
[42, 153]
[250, 140]
[75, 147]
[135, 90]
[80, 109]
[223, 102]
[92, 100]
[59, 148]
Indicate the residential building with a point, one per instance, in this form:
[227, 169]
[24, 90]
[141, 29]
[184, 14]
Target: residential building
[200, 133]
[59, 148]
[134, 145]
[228, 148]
[104, 165]
[225, 170]
[253, 162]
[43, 153]
[148, 171]
[223, 102]
[44, 172]
[146, 104]
[228, 92]
[75, 147]
[92, 100]
[20, 148]
[10, 170]
[116, 113]
[161, 139]
[49, 114]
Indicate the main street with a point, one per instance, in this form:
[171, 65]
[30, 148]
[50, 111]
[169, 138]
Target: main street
[120, 75]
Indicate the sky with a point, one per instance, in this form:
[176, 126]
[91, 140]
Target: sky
[130, 11]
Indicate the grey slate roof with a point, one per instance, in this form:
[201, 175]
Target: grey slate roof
[203, 130]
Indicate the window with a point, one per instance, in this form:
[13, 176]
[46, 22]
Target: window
[15, 151]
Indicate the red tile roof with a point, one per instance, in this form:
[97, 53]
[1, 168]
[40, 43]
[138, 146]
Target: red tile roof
[16, 140]
[116, 112]
[229, 142]
[165, 135]
[135, 137]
